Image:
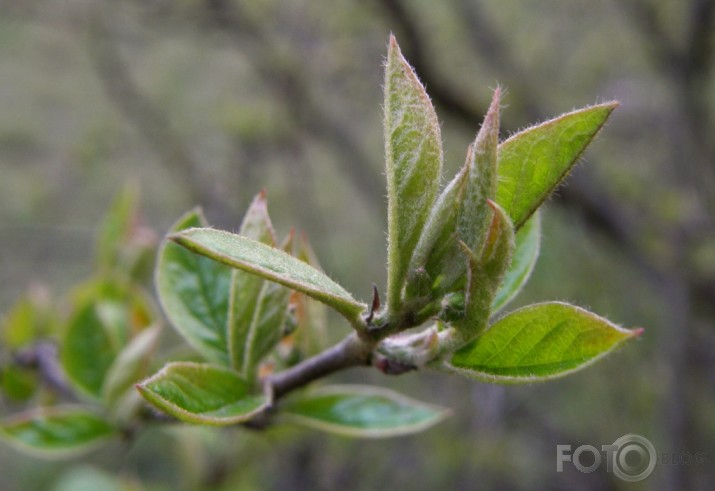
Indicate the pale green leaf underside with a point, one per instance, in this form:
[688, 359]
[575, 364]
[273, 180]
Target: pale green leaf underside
[194, 294]
[269, 263]
[534, 161]
[413, 154]
[203, 394]
[361, 411]
[56, 432]
[130, 365]
[528, 239]
[538, 342]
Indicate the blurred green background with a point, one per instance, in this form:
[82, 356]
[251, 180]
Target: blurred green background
[205, 102]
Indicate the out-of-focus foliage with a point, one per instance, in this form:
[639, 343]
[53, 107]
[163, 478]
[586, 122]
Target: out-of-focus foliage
[205, 102]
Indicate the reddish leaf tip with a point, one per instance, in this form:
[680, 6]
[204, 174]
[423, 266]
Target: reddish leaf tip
[637, 332]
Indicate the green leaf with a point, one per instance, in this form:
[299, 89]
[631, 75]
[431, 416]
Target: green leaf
[56, 431]
[117, 226]
[129, 366]
[194, 293]
[266, 327]
[257, 308]
[18, 383]
[413, 152]
[461, 214]
[435, 251]
[361, 411]
[30, 318]
[526, 252]
[310, 317]
[106, 316]
[203, 394]
[269, 263]
[539, 342]
[533, 162]
[485, 273]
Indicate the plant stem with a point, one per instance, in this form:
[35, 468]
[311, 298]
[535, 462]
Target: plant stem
[350, 352]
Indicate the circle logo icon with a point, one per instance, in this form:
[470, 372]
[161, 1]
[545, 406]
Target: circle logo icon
[634, 458]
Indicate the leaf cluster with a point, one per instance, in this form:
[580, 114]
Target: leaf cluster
[252, 308]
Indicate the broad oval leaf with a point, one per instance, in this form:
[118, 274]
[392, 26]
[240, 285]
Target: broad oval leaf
[526, 252]
[194, 294]
[107, 315]
[413, 154]
[533, 162]
[203, 394]
[539, 342]
[61, 431]
[361, 411]
[269, 263]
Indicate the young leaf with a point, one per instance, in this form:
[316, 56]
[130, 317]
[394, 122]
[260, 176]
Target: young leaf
[30, 318]
[194, 294]
[106, 317]
[413, 152]
[117, 227]
[438, 242]
[361, 411]
[247, 298]
[56, 431]
[266, 327]
[485, 273]
[461, 213]
[539, 342]
[269, 263]
[129, 366]
[203, 394]
[522, 264]
[533, 162]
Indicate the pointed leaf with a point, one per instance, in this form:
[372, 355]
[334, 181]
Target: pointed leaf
[56, 431]
[461, 214]
[270, 263]
[475, 215]
[129, 366]
[194, 294]
[533, 162]
[246, 288]
[486, 273]
[266, 326]
[106, 317]
[539, 342]
[526, 252]
[311, 319]
[413, 152]
[438, 240]
[117, 226]
[203, 394]
[361, 411]
[257, 223]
